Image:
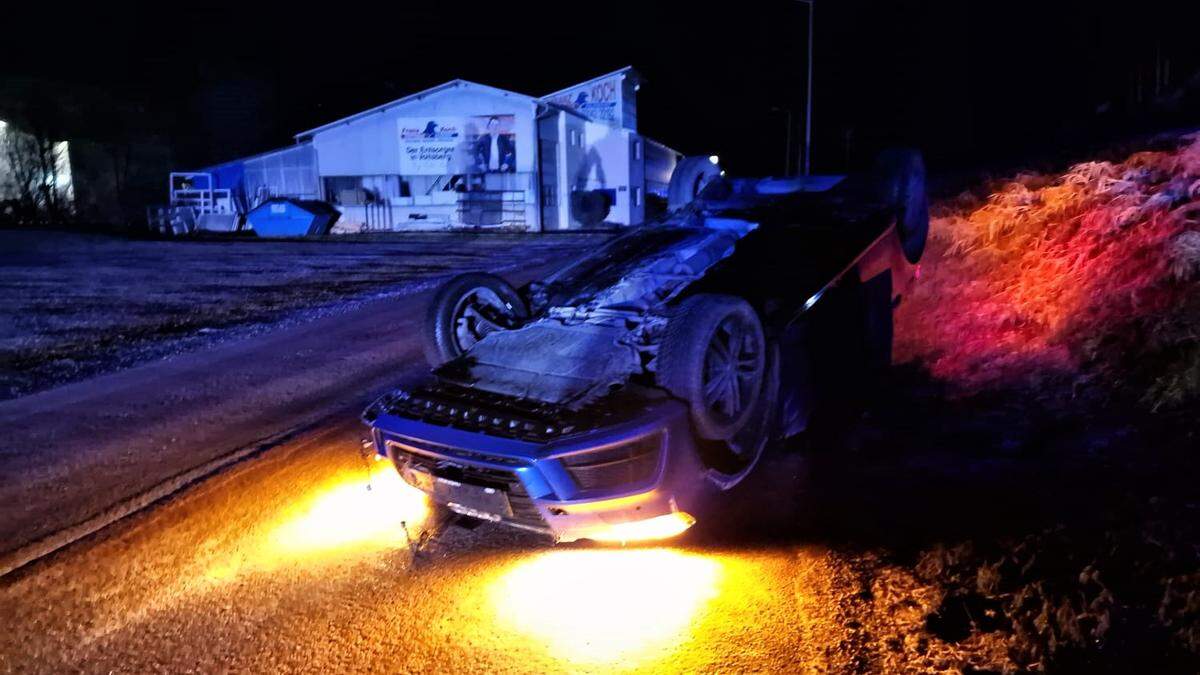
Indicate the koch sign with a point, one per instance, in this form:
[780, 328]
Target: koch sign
[599, 100]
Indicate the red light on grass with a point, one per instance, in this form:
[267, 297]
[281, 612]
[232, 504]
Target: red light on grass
[1030, 279]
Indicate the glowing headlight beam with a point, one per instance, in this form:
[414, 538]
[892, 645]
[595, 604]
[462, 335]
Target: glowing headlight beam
[341, 516]
[607, 606]
[349, 515]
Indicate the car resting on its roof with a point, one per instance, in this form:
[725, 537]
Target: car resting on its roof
[614, 399]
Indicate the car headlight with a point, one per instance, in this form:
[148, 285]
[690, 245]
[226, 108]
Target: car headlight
[659, 527]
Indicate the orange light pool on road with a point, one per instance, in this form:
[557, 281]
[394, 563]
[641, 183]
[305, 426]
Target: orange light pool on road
[348, 515]
[606, 607]
[651, 529]
[338, 517]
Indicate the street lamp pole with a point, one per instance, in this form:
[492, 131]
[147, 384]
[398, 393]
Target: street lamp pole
[808, 95]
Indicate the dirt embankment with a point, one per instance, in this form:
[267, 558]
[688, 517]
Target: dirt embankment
[1046, 424]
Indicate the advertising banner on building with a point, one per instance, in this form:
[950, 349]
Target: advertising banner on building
[599, 100]
[438, 146]
[428, 145]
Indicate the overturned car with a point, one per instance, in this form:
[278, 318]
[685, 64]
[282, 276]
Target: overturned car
[616, 398]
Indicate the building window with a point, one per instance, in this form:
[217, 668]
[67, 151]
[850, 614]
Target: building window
[575, 137]
[637, 196]
[344, 190]
[637, 149]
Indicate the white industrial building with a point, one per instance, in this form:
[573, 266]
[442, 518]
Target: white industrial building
[460, 155]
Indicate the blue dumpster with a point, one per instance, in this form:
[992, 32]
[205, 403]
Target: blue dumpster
[285, 217]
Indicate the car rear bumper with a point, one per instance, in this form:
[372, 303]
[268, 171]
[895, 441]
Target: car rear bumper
[584, 486]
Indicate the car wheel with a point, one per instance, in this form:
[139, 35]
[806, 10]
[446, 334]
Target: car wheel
[713, 355]
[729, 461]
[465, 309]
[902, 176]
[688, 179]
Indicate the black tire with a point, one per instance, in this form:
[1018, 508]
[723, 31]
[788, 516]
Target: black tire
[464, 310]
[713, 355]
[902, 178]
[688, 179]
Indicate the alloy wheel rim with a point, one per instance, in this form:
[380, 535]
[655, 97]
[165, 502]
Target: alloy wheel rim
[732, 369]
[476, 315]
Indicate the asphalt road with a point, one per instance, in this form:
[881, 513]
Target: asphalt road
[289, 562]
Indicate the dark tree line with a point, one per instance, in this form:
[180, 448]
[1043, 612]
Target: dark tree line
[35, 177]
[78, 156]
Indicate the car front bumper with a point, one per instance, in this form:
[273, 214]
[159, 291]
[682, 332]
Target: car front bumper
[540, 487]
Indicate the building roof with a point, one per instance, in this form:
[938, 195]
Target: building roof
[250, 158]
[664, 146]
[627, 70]
[554, 107]
[452, 84]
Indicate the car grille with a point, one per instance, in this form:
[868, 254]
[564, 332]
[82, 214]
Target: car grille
[523, 509]
[505, 416]
[624, 465]
[409, 444]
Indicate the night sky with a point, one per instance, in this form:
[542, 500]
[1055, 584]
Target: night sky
[968, 82]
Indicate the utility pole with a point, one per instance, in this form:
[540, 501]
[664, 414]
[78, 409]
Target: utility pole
[808, 96]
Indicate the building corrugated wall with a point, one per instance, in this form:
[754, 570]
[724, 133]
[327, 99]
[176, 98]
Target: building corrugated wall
[290, 172]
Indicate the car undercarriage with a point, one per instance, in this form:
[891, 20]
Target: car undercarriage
[633, 383]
